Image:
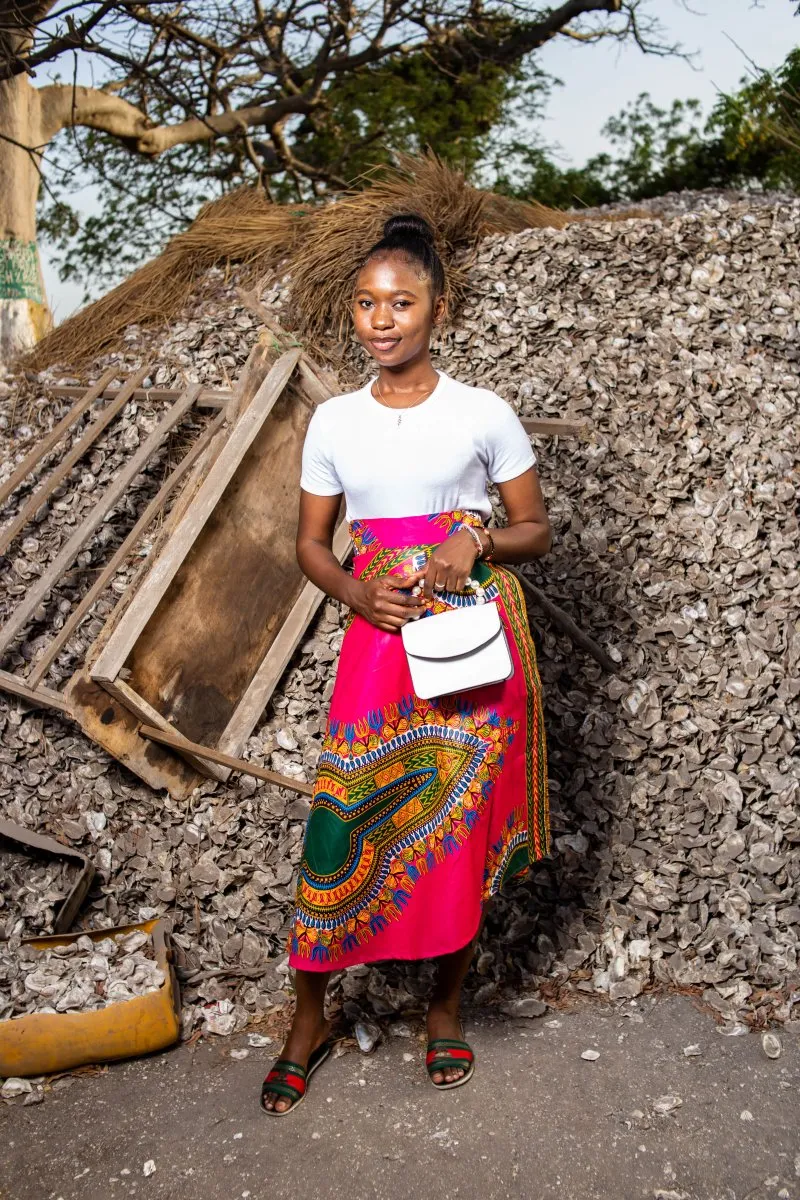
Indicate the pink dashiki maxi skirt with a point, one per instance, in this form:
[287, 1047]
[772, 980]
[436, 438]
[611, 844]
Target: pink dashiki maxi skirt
[421, 808]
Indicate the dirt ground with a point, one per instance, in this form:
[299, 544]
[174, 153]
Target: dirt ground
[643, 1121]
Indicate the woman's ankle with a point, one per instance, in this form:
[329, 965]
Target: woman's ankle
[444, 1003]
[308, 1024]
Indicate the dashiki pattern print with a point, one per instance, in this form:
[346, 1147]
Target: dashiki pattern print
[421, 808]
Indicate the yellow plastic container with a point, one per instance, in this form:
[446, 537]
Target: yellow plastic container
[43, 1043]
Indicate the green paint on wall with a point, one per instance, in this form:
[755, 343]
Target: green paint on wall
[19, 271]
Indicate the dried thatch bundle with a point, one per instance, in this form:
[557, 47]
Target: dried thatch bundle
[325, 264]
[242, 227]
[320, 247]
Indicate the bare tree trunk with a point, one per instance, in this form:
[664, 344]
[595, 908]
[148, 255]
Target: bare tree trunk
[24, 314]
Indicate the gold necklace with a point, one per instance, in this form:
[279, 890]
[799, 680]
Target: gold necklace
[400, 412]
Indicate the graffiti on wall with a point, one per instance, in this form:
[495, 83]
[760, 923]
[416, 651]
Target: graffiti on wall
[19, 271]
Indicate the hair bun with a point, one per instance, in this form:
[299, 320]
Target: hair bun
[409, 225]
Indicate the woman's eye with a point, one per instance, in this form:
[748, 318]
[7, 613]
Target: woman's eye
[402, 304]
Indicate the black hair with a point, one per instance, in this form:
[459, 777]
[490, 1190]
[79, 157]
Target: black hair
[411, 235]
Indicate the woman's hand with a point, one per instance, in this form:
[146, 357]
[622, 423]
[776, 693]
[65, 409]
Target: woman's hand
[382, 603]
[450, 565]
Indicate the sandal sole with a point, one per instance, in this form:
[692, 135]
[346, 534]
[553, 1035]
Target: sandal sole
[465, 1078]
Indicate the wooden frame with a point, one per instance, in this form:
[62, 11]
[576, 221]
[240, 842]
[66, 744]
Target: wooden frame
[207, 397]
[42, 664]
[122, 640]
[137, 644]
[112, 495]
[51, 440]
[117, 721]
[32, 688]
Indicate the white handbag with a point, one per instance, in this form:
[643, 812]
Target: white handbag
[458, 650]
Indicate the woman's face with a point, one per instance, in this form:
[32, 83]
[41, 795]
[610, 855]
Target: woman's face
[393, 310]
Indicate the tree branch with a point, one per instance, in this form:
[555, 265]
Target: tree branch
[92, 108]
[74, 39]
[25, 14]
[525, 37]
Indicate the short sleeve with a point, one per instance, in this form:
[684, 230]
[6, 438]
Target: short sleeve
[318, 474]
[508, 448]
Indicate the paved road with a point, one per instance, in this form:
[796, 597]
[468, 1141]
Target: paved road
[537, 1121]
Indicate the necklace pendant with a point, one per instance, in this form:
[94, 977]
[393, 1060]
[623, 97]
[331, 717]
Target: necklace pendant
[399, 418]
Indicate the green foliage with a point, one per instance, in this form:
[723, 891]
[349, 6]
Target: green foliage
[758, 129]
[751, 139]
[527, 171]
[408, 104]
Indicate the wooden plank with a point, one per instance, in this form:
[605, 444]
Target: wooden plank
[155, 586]
[565, 622]
[171, 521]
[42, 697]
[254, 372]
[48, 486]
[101, 716]
[235, 764]
[42, 665]
[555, 426]
[148, 715]
[111, 725]
[313, 386]
[46, 444]
[213, 398]
[110, 497]
[268, 675]
[320, 384]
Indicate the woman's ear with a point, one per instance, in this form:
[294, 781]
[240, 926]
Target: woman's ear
[439, 312]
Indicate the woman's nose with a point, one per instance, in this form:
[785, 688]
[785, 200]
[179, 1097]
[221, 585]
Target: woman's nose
[382, 317]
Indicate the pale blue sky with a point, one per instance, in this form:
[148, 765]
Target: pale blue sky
[600, 80]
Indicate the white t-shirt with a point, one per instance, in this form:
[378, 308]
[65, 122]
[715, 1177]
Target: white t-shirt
[439, 458]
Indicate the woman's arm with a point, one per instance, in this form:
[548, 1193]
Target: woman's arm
[527, 535]
[378, 600]
[315, 530]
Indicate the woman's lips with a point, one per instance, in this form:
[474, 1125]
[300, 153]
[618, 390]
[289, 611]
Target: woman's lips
[384, 343]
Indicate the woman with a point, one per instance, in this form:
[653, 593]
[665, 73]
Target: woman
[421, 809]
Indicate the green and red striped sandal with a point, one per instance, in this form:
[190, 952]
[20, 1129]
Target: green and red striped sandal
[289, 1079]
[448, 1052]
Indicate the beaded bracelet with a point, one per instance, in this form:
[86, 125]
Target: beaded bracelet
[473, 533]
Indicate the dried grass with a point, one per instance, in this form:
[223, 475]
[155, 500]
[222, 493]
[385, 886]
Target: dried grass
[325, 264]
[242, 227]
[320, 247]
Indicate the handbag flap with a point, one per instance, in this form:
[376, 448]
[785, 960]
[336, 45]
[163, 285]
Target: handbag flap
[450, 634]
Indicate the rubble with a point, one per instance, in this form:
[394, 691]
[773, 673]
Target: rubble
[80, 976]
[673, 782]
